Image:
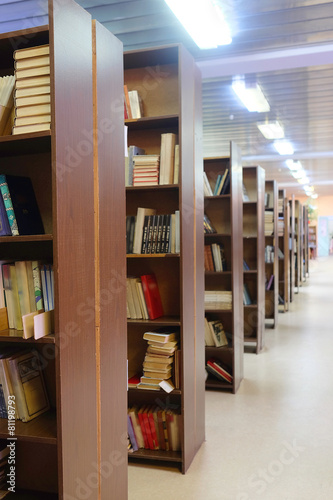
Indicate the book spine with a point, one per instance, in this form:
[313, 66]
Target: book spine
[4, 222]
[8, 205]
[167, 234]
[150, 233]
[37, 285]
[155, 233]
[159, 233]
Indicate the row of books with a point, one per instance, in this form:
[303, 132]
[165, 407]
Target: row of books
[22, 388]
[143, 298]
[19, 213]
[159, 360]
[32, 96]
[269, 223]
[208, 226]
[133, 105]
[215, 335]
[218, 187]
[269, 254]
[280, 226]
[218, 299]
[218, 370]
[28, 290]
[154, 428]
[152, 233]
[214, 257]
[161, 168]
[6, 104]
[4, 468]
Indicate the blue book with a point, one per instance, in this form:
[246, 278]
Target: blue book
[4, 222]
[5, 195]
[218, 180]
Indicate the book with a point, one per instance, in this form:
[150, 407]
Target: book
[209, 339]
[34, 110]
[246, 295]
[270, 282]
[167, 158]
[127, 103]
[33, 100]
[218, 334]
[37, 283]
[32, 91]
[4, 222]
[32, 120]
[28, 384]
[136, 106]
[138, 234]
[31, 52]
[162, 337]
[132, 152]
[5, 194]
[29, 129]
[35, 81]
[217, 369]
[152, 296]
[131, 434]
[32, 62]
[32, 72]
[245, 194]
[176, 165]
[6, 101]
[24, 204]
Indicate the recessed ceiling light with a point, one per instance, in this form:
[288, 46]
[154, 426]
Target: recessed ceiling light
[203, 20]
[271, 130]
[303, 180]
[308, 188]
[283, 147]
[298, 174]
[314, 196]
[294, 165]
[250, 95]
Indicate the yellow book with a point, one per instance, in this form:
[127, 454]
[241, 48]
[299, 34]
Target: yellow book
[41, 50]
[32, 120]
[29, 129]
[30, 91]
[32, 82]
[32, 72]
[32, 62]
[40, 109]
[32, 100]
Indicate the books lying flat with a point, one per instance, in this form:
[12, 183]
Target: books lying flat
[159, 336]
[32, 52]
[218, 300]
[218, 370]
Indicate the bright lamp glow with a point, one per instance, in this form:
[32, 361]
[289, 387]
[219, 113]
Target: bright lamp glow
[309, 189]
[298, 174]
[271, 130]
[303, 180]
[251, 95]
[314, 196]
[283, 147]
[203, 20]
[294, 165]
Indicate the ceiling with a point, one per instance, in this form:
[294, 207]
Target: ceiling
[286, 45]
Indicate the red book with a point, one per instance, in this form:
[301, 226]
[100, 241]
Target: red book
[219, 369]
[147, 429]
[152, 296]
[143, 427]
[153, 428]
[161, 429]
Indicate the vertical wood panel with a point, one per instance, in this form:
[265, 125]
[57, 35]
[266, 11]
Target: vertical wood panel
[72, 163]
[261, 256]
[112, 264]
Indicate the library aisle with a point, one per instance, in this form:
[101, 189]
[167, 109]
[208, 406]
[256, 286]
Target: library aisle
[273, 440]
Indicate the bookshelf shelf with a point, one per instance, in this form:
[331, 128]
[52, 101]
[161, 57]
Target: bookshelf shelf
[292, 248]
[250, 271]
[75, 189]
[226, 216]
[156, 455]
[16, 336]
[161, 393]
[42, 430]
[254, 254]
[155, 121]
[298, 244]
[180, 276]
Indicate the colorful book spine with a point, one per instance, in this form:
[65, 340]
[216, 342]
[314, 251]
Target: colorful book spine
[37, 285]
[8, 205]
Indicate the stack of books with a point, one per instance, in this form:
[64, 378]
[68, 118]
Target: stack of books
[4, 469]
[6, 104]
[159, 358]
[280, 226]
[214, 334]
[146, 170]
[269, 254]
[143, 298]
[269, 223]
[154, 428]
[280, 205]
[218, 299]
[32, 90]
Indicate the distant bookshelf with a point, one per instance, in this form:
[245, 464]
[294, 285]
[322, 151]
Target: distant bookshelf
[283, 249]
[271, 254]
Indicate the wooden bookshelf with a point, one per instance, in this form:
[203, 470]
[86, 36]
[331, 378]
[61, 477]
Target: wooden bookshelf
[169, 85]
[305, 242]
[271, 266]
[283, 238]
[298, 244]
[312, 242]
[254, 255]
[292, 248]
[80, 193]
[226, 216]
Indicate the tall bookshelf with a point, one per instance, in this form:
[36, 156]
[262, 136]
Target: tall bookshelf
[305, 242]
[72, 176]
[271, 254]
[298, 244]
[292, 248]
[169, 84]
[283, 237]
[254, 255]
[312, 242]
[224, 213]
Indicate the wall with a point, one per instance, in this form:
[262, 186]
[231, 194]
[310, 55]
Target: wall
[324, 223]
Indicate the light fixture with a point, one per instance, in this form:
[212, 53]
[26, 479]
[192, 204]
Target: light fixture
[308, 188]
[303, 180]
[203, 20]
[250, 95]
[283, 147]
[271, 130]
[314, 196]
[297, 174]
[294, 165]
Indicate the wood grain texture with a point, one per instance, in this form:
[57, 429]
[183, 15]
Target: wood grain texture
[112, 263]
[261, 258]
[272, 299]
[73, 210]
[291, 251]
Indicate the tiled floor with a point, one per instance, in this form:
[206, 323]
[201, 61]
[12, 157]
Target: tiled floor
[273, 440]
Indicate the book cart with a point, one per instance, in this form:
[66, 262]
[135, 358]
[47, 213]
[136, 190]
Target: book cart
[73, 175]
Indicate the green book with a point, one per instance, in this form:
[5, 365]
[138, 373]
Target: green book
[8, 205]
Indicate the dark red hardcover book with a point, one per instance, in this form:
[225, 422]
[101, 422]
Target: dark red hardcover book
[152, 296]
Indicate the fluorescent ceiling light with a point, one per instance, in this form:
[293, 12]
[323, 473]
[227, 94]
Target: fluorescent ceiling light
[294, 165]
[314, 196]
[298, 174]
[203, 20]
[251, 95]
[271, 130]
[283, 147]
[303, 180]
[309, 188]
